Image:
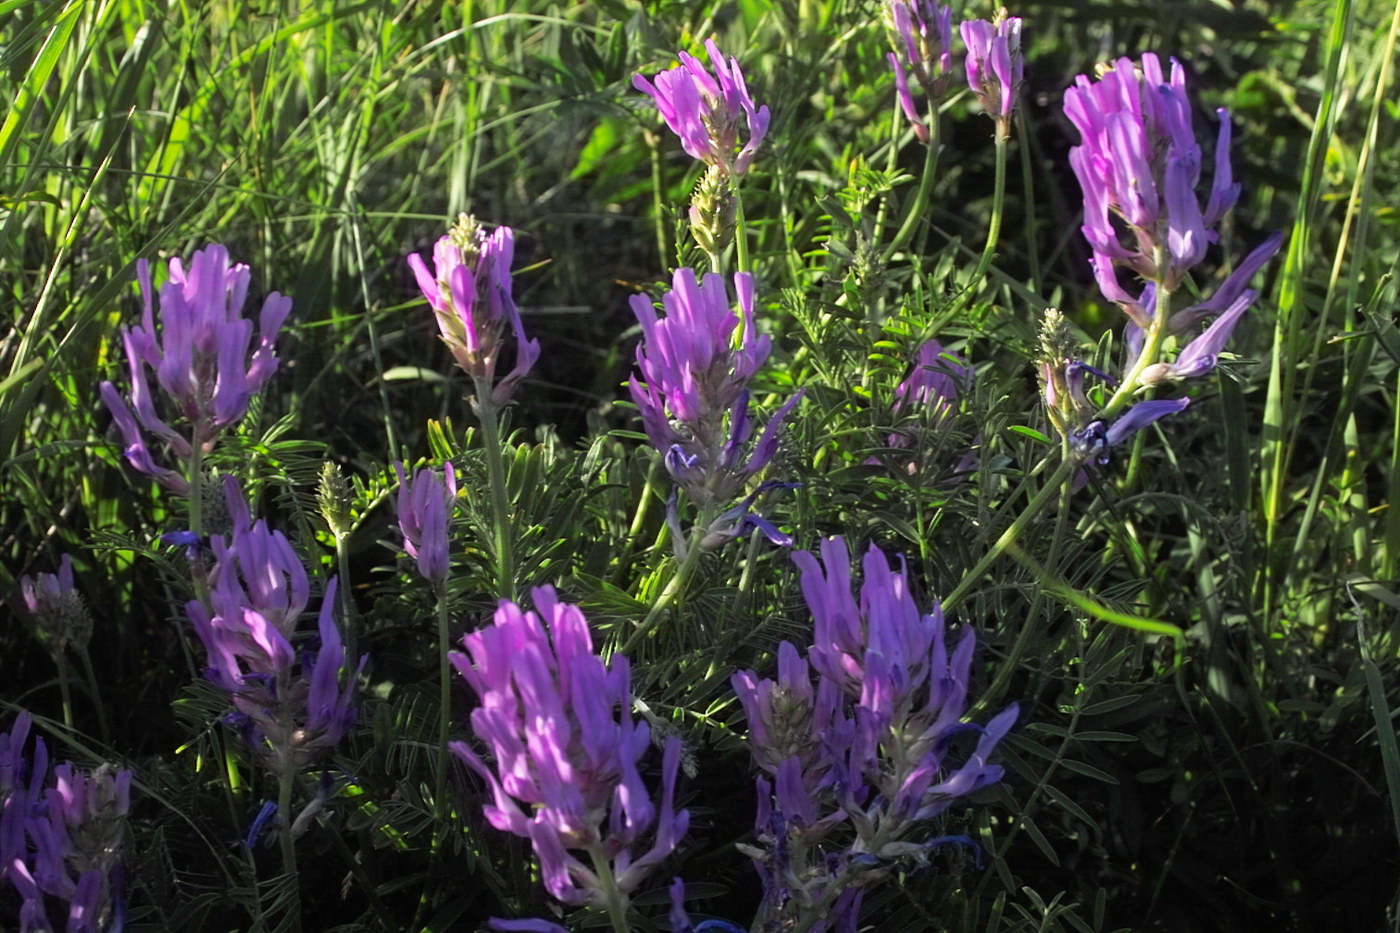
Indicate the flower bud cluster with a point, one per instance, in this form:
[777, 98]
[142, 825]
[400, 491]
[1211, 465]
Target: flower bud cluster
[995, 65]
[855, 765]
[58, 609]
[199, 357]
[61, 838]
[470, 291]
[558, 722]
[289, 708]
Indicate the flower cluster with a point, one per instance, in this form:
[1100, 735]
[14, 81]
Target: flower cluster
[1138, 165]
[199, 357]
[258, 590]
[61, 840]
[706, 110]
[855, 764]
[995, 66]
[470, 291]
[694, 393]
[558, 722]
[923, 36]
[425, 515]
[58, 608]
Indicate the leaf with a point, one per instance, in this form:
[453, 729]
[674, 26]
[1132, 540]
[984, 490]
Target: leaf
[1089, 771]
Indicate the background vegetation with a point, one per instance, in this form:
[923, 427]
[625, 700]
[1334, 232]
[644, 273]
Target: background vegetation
[1234, 779]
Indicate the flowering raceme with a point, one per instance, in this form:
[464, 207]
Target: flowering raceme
[694, 402]
[470, 291]
[58, 608]
[558, 722]
[706, 110]
[258, 589]
[199, 357]
[61, 841]
[425, 516]
[995, 66]
[923, 38]
[856, 763]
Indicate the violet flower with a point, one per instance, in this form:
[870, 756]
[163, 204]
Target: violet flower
[61, 840]
[693, 397]
[425, 516]
[470, 291]
[58, 608]
[288, 712]
[1138, 164]
[995, 65]
[558, 722]
[199, 357]
[706, 110]
[922, 31]
[859, 761]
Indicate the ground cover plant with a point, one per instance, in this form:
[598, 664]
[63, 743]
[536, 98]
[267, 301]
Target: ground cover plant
[783, 466]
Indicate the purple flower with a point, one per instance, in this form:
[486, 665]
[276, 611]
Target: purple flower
[706, 110]
[994, 64]
[558, 722]
[258, 590]
[61, 840]
[470, 291]
[694, 402]
[200, 358]
[425, 516]
[861, 758]
[58, 608]
[923, 39]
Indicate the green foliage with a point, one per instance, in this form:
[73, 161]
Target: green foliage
[1204, 640]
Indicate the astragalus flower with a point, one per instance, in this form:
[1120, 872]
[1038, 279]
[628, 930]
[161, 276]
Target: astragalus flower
[558, 723]
[199, 356]
[1139, 165]
[61, 839]
[693, 396]
[58, 608]
[995, 65]
[471, 293]
[288, 711]
[706, 111]
[856, 765]
[922, 32]
[425, 505]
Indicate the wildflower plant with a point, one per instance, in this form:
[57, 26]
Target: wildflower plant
[558, 722]
[855, 766]
[199, 357]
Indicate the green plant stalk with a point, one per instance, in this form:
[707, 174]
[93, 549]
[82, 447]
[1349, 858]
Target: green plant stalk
[285, 781]
[197, 484]
[989, 249]
[489, 416]
[91, 674]
[64, 689]
[677, 584]
[444, 702]
[347, 605]
[741, 236]
[919, 204]
[658, 199]
[617, 902]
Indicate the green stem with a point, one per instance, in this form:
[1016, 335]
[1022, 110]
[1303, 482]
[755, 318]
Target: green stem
[658, 199]
[289, 846]
[444, 701]
[677, 584]
[489, 416]
[617, 902]
[741, 235]
[197, 485]
[998, 208]
[65, 691]
[1151, 350]
[347, 605]
[920, 202]
[91, 674]
[1042, 499]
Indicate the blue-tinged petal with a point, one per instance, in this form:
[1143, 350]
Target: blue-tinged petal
[1140, 416]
